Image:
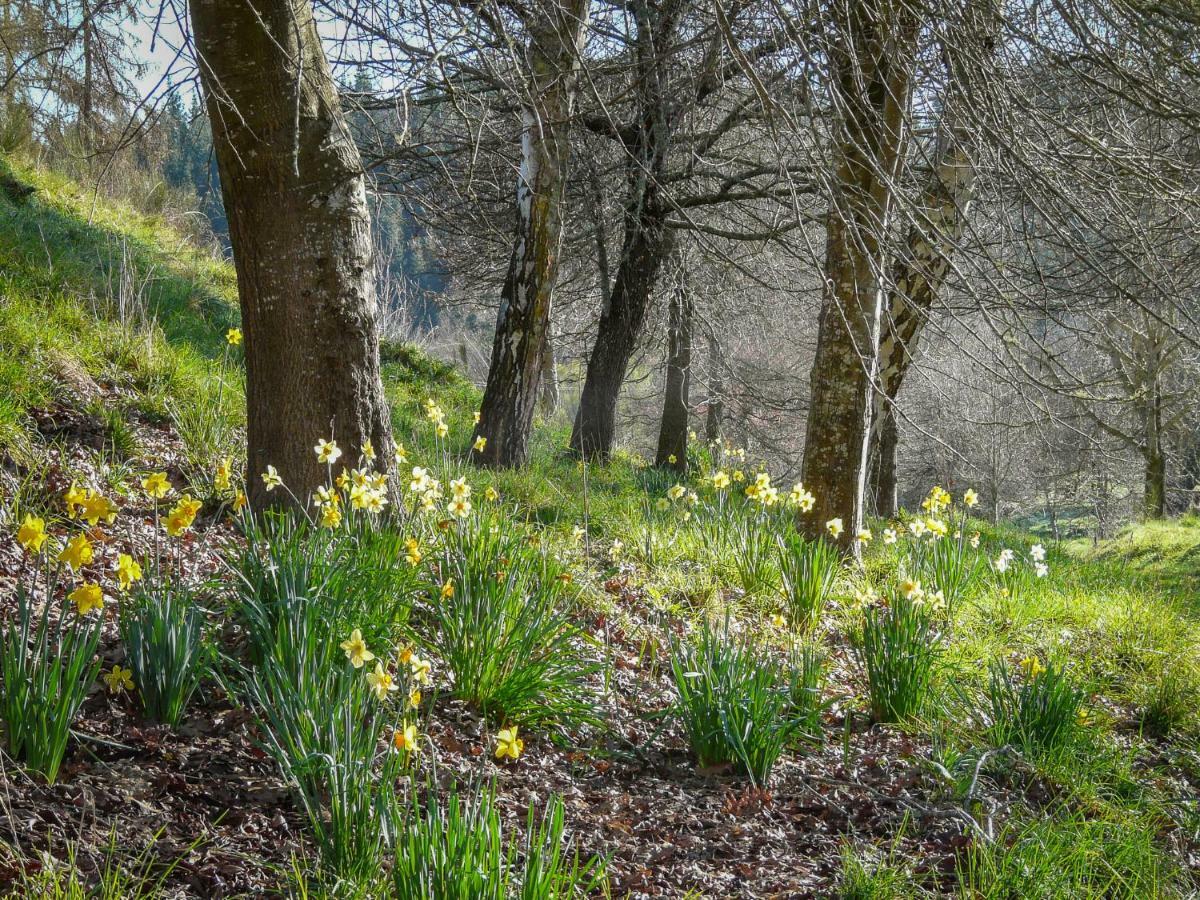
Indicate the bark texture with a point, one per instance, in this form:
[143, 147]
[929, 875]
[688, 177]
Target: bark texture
[871, 52]
[294, 190]
[921, 269]
[715, 413]
[523, 322]
[673, 430]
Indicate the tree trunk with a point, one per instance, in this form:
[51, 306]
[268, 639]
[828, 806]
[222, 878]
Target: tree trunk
[300, 228]
[515, 371]
[673, 432]
[645, 241]
[872, 57]
[715, 413]
[1154, 497]
[548, 404]
[920, 271]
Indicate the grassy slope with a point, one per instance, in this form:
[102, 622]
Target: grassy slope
[1121, 615]
[91, 286]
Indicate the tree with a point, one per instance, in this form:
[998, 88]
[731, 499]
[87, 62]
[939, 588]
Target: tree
[520, 346]
[295, 194]
[673, 431]
[872, 47]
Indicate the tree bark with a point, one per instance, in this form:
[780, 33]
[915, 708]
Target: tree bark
[295, 195]
[645, 240]
[715, 412]
[673, 430]
[548, 403]
[518, 351]
[1154, 497]
[871, 54]
[920, 271]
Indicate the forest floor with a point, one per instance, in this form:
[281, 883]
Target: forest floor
[113, 365]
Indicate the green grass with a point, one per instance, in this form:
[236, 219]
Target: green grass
[91, 291]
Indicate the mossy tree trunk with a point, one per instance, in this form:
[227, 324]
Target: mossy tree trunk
[673, 429]
[871, 56]
[519, 350]
[295, 194]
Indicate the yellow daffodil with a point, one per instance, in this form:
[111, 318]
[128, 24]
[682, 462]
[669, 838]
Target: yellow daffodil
[368, 450]
[460, 488]
[778, 620]
[73, 499]
[400, 456]
[356, 649]
[96, 507]
[577, 533]
[78, 552]
[233, 337]
[420, 668]
[405, 739]
[834, 527]
[239, 502]
[156, 485]
[129, 570]
[118, 680]
[491, 494]
[508, 745]
[182, 515]
[614, 552]
[671, 459]
[1032, 666]
[676, 491]
[970, 498]
[412, 551]
[87, 597]
[911, 589]
[223, 477]
[448, 589]
[32, 533]
[381, 682]
[864, 535]
[414, 698]
[459, 507]
[720, 480]
[480, 444]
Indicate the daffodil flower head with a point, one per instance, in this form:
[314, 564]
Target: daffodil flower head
[356, 649]
[32, 533]
[118, 680]
[508, 744]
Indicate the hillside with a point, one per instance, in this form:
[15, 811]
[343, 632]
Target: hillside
[724, 711]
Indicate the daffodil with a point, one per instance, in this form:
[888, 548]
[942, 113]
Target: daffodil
[1038, 553]
[864, 535]
[405, 739]
[480, 444]
[78, 552]
[156, 485]
[32, 533]
[400, 456]
[271, 478]
[182, 515]
[327, 452]
[441, 429]
[448, 589]
[577, 533]
[508, 745]
[834, 527]
[720, 480]
[87, 597]
[414, 698]
[911, 589]
[1032, 666]
[460, 488]
[129, 570]
[420, 480]
[96, 507]
[239, 502]
[118, 680]
[420, 669]
[671, 459]
[491, 494]
[614, 552]
[222, 478]
[1041, 570]
[233, 337]
[970, 498]
[975, 540]
[356, 649]
[381, 682]
[459, 507]
[889, 535]
[73, 499]
[368, 450]
[412, 551]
